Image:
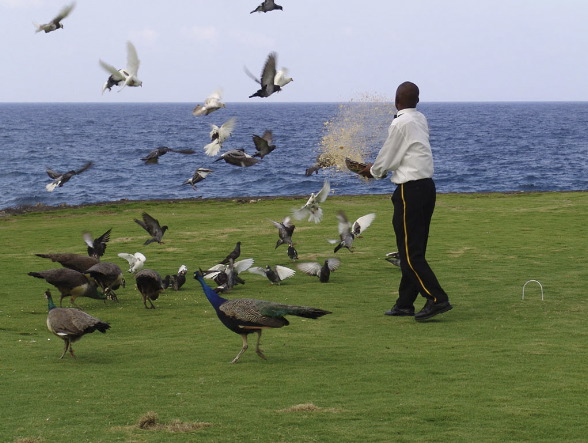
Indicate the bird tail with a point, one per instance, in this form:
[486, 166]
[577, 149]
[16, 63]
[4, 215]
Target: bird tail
[36, 275]
[212, 149]
[51, 186]
[305, 311]
[316, 216]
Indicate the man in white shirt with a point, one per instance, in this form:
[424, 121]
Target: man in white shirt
[407, 154]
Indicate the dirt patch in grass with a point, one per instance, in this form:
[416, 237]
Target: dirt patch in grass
[150, 422]
[309, 407]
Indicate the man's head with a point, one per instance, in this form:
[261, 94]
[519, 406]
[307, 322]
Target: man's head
[407, 96]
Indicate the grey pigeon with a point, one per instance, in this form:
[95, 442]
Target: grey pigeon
[266, 6]
[233, 255]
[285, 231]
[56, 24]
[323, 272]
[152, 226]
[153, 156]
[275, 275]
[97, 246]
[263, 144]
[238, 157]
[59, 179]
[348, 231]
[267, 80]
[199, 175]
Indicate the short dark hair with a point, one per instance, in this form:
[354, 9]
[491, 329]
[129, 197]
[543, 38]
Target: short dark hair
[407, 94]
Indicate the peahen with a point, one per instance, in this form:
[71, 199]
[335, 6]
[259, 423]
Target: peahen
[150, 285]
[76, 262]
[246, 315]
[70, 283]
[71, 324]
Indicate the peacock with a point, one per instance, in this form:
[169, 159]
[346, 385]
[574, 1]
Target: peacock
[246, 315]
[71, 324]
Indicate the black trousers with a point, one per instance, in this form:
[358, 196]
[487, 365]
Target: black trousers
[414, 203]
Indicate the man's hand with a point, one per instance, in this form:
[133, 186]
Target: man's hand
[365, 172]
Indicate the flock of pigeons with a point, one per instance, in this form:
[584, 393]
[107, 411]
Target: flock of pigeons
[89, 276]
[270, 81]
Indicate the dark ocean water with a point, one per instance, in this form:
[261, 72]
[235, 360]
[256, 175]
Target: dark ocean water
[478, 147]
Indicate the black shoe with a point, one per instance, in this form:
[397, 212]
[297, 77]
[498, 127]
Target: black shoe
[400, 312]
[431, 309]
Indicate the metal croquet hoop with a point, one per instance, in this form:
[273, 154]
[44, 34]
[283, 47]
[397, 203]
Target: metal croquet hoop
[534, 281]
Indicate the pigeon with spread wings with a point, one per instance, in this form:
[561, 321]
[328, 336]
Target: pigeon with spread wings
[211, 103]
[152, 226]
[55, 24]
[312, 208]
[59, 179]
[126, 76]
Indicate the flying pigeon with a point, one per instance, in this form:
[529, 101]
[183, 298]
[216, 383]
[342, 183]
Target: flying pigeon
[265, 6]
[238, 157]
[323, 272]
[127, 76]
[312, 209]
[267, 80]
[233, 255]
[263, 144]
[218, 135]
[153, 156]
[199, 175]
[285, 231]
[281, 79]
[227, 275]
[153, 227]
[97, 246]
[136, 261]
[275, 275]
[55, 24]
[211, 104]
[59, 179]
[348, 231]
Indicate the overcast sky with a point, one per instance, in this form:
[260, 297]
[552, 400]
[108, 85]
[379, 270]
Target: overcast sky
[336, 50]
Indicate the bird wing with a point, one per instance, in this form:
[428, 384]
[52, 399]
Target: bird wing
[268, 136]
[212, 148]
[133, 61]
[53, 174]
[310, 268]
[111, 70]
[151, 223]
[87, 166]
[284, 272]
[257, 270]
[248, 72]
[344, 225]
[362, 223]
[269, 72]
[88, 239]
[243, 265]
[64, 13]
[226, 129]
[324, 192]
[128, 257]
[183, 151]
[213, 98]
[261, 145]
[333, 263]
[253, 312]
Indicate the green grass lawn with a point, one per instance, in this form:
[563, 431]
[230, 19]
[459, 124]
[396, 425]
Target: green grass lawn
[495, 368]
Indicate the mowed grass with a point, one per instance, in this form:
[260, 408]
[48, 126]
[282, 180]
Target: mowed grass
[495, 368]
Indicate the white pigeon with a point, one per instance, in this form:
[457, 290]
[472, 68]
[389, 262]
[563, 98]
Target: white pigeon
[127, 76]
[211, 104]
[199, 175]
[218, 135]
[55, 24]
[323, 271]
[312, 209]
[281, 79]
[275, 275]
[136, 261]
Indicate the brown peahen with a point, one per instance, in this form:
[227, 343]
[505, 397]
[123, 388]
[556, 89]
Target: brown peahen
[71, 324]
[70, 283]
[246, 315]
[108, 276]
[68, 260]
[150, 285]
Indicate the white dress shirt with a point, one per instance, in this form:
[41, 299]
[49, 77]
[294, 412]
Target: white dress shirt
[407, 151]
